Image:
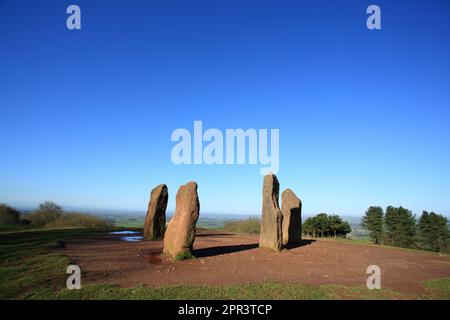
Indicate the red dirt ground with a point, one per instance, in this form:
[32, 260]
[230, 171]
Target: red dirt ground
[224, 259]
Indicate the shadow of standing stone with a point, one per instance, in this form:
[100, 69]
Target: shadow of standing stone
[155, 221]
[272, 218]
[180, 233]
[291, 207]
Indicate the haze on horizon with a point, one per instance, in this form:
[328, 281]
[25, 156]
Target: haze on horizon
[363, 116]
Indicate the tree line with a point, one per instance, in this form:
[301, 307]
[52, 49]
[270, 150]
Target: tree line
[324, 225]
[399, 227]
[47, 215]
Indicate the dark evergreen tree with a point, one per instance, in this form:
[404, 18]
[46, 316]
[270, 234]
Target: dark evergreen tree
[400, 227]
[432, 232]
[372, 221]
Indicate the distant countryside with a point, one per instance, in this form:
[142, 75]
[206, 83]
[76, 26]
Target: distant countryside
[48, 233]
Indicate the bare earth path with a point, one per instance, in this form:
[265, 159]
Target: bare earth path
[224, 259]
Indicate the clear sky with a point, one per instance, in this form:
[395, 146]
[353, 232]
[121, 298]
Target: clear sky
[87, 115]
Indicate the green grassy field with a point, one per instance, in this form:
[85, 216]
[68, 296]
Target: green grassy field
[29, 269]
[248, 226]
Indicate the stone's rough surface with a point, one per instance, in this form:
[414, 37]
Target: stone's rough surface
[272, 218]
[155, 221]
[180, 233]
[291, 207]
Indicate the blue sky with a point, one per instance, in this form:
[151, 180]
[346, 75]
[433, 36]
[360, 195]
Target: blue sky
[87, 115]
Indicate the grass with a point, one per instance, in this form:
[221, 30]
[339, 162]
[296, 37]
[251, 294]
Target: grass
[370, 243]
[440, 288]
[129, 222]
[250, 291]
[184, 256]
[30, 269]
[15, 228]
[258, 291]
[27, 263]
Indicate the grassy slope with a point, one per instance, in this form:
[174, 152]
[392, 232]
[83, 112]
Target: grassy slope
[248, 226]
[29, 270]
[370, 243]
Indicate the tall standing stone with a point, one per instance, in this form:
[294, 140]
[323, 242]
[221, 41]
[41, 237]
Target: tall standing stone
[155, 221]
[291, 207]
[272, 219]
[180, 233]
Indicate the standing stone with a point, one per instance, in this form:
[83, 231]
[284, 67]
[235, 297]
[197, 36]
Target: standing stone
[155, 221]
[180, 234]
[272, 219]
[291, 207]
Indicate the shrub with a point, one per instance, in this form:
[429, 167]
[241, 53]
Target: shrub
[46, 213]
[9, 216]
[51, 215]
[78, 220]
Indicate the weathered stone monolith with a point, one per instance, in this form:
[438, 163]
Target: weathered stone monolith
[291, 207]
[272, 219]
[155, 221]
[180, 233]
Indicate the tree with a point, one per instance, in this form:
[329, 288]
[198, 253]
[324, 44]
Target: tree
[343, 229]
[335, 224]
[321, 223]
[324, 225]
[400, 224]
[46, 213]
[8, 215]
[432, 232]
[309, 228]
[373, 222]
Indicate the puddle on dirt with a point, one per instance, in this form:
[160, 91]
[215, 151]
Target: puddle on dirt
[124, 232]
[132, 238]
